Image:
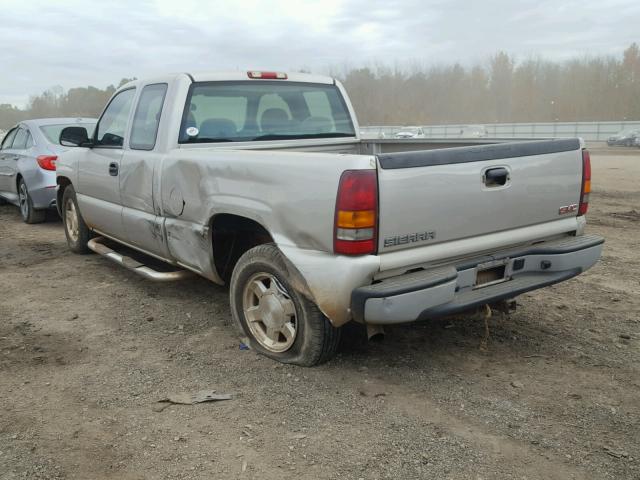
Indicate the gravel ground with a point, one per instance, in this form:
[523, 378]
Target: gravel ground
[87, 349]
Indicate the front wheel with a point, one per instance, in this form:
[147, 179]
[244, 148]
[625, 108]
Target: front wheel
[75, 229]
[29, 214]
[279, 321]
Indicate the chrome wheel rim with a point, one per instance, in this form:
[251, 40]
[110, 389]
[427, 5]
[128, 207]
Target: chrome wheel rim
[23, 198]
[270, 312]
[71, 220]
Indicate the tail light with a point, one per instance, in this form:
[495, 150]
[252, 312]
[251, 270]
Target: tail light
[47, 162]
[356, 218]
[586, 183]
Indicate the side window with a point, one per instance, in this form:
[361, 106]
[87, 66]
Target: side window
[112, 126]
[29, 140]
[20, 142]
[8, 139]
[147, 117]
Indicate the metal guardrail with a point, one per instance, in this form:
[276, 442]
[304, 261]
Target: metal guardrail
[593, 131]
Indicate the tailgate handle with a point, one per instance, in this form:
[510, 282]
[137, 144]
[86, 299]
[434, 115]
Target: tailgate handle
[495, 177]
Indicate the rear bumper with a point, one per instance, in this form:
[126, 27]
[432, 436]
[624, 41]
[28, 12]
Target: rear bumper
[448, 290]
[43, 197]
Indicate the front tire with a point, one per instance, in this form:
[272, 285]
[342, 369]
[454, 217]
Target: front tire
[279, 321]
[29, 214]
[75, 229]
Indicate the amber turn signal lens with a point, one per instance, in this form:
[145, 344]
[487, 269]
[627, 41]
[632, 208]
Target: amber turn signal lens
[356, 219]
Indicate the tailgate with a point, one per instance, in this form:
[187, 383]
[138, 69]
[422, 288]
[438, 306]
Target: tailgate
[436, 196]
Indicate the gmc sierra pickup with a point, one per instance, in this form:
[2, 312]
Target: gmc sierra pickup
[260, 180]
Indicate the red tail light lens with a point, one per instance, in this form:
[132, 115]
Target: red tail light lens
[586, 183]
[356, 217]
[47, 162]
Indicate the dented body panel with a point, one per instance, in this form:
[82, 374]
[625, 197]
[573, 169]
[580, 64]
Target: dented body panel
[198, 184]
[164, 201]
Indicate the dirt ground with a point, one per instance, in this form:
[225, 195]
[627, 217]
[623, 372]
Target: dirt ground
[88, 348]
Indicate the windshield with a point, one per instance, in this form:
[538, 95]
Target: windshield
[52, 132]
[263, 110]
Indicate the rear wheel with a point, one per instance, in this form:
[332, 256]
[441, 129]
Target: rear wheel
[29, 214]
[279, 321]
[75, 229]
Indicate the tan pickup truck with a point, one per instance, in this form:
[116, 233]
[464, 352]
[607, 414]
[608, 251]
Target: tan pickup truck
[260, 180]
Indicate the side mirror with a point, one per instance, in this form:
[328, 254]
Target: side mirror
[74, 137]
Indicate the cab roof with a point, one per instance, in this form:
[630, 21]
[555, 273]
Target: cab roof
[231, 77]
[243, 75]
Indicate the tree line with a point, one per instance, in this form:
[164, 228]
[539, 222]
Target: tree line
[55, 102]
[596, 88]
[502, 91]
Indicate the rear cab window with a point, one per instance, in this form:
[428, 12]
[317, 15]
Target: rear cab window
[147, 117]
[244, 111]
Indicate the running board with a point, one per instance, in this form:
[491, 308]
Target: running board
[134, 265]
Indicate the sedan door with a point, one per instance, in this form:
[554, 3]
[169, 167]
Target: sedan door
[17, 153]
[98, 189]
[7, 188]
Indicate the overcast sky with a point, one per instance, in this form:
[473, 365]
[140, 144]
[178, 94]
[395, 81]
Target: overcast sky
[70, 43]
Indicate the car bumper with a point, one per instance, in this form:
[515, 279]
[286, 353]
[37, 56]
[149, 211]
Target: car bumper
[43, 197]
[448, 290]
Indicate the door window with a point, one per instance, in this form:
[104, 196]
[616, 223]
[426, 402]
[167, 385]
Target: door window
[20, 142]
[8, 140]
[112, 126]
[147, 117]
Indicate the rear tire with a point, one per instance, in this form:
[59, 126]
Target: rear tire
[279, 321]
[75, 229]
[29, 214]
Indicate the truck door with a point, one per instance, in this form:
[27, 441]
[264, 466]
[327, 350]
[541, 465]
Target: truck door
[98, 189]
[141, 214]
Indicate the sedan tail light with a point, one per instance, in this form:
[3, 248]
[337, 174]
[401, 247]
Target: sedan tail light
[47, 162]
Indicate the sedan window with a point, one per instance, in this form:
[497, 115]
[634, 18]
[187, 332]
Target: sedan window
[20, 142]
[8, 139]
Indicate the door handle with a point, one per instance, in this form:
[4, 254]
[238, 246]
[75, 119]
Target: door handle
[113, 169]
[495, 177]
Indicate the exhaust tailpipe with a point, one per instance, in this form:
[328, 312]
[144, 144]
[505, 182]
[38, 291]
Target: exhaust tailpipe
[375, 332]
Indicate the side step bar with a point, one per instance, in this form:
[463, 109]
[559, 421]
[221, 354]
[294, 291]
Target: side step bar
[134, 265]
